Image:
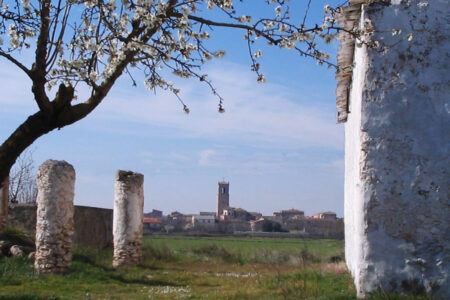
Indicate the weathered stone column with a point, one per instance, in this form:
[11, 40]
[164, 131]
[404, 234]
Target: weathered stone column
[4, 201]
[128, 216]
[54, 223]
[397, 147]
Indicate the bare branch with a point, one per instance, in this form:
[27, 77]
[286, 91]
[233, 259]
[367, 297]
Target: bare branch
[17, 63]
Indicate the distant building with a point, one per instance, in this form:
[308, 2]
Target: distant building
[154, 214]
[151, 224]
[325, 216]
[223, 197]
[203, 221]
[273, 218]
[256, 225]
[176, 214]
[255, 215]
[237, 214]
[207, 213]
[290, 214]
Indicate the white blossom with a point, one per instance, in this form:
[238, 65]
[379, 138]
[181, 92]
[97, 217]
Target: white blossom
[261, 78]
[13, 36]
[93, 76]
[257, 54]
[219, 54]
[89, 3]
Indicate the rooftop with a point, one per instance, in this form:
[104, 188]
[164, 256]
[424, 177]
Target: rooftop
[151, 221]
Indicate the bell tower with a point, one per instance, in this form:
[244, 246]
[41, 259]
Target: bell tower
[223, 197]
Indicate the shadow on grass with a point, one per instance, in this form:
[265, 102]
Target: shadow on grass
[114, 273]
[83, 258]
[27, 297]
[150, 282]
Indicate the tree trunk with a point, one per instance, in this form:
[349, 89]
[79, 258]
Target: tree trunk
[4, 197]
[34, 127]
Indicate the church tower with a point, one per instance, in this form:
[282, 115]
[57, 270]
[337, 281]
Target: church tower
[223, 197]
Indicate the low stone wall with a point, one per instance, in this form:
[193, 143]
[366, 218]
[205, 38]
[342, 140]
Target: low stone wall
[93, 226]
[323, 228]
[22, 216]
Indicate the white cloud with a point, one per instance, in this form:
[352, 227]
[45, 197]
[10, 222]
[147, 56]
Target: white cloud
[177, 157]
[207, 157]
[170, 158]
[256, 114]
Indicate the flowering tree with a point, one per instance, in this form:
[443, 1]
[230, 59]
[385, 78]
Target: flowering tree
[92, 43]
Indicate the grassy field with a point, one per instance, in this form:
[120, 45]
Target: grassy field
[195, 268]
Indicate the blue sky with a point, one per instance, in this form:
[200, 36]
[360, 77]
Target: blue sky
[278, 143]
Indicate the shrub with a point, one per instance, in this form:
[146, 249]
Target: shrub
[214, 251]
[163, 253]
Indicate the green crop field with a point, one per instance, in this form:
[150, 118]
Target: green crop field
[195, 268]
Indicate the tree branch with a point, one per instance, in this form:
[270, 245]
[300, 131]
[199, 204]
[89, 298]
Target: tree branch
[229, 25]
[38, 70]
[17, 63]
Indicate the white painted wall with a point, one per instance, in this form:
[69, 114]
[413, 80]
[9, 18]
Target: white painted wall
[353, 206]
[397, 198]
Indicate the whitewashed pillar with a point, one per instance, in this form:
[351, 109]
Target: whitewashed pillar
[4, 200]
[128, 215]
[397, 147]
[54, 223]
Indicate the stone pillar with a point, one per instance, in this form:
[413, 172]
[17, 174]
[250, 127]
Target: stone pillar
[128, 216]
[54, 223]
[4, 201]
[397, 151]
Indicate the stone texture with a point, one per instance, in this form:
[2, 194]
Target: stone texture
[128, 216]
[16, 251]
[54, 224]
[397, 152]
[4, 247]
[32, 256]
[223, 197]
[4, 199]
[92, 225]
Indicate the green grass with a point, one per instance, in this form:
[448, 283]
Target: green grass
[250, 250]
[194, 268]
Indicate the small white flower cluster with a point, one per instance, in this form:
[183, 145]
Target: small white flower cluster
[261, 78]
[17, 37]
[226, 4]
[257, 54]
[232, 274]
[26, 5]
[14, 36]
[245, 19]
[170, 290]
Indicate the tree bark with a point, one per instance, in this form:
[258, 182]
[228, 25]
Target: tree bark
[4, 197]
[35, 126]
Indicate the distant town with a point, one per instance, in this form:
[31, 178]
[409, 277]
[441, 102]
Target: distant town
[232, 220]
